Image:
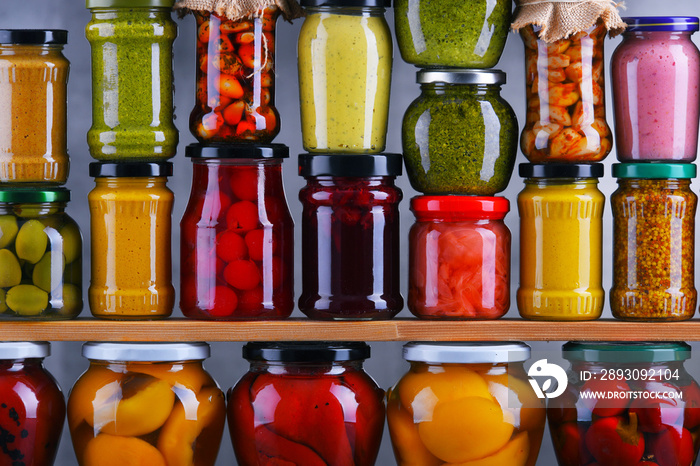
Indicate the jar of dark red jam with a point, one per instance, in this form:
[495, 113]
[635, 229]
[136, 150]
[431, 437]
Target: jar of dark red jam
[306, 404]
[237, 235]
[350, 236]
[32, 409]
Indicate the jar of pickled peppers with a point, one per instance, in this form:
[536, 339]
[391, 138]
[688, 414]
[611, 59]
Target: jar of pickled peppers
[306, 404]
[350, 234]
[237, 235]
[235, 100]
[467, 404]
[626, 404]
[146, 403]
[654, 233]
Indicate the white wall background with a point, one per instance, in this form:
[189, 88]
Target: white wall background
[226, 364]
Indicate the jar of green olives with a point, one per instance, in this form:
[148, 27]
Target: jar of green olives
[40, 256]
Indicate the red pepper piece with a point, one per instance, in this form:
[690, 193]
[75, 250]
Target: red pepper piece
[615, 441]
[672, 447]
[369, 424]
[569, 446]
[607, 406]
[272, 447]
[563, 408]
[691, 415]
[655, 414]
[241, 420]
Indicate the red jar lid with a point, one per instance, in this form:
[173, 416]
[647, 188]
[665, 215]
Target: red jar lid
[453, 208]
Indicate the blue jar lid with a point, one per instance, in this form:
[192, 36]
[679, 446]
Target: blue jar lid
[662, 23]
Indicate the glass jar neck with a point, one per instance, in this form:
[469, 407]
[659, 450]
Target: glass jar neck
[666, 183]
[132, 182]
[341, 181]
[123, 366]
[116, 13]
[553, 182]
[31, 50]
[372, 11]
[442, 89]
[34, 209]
[305, 368]
[19, 365]
[658, 35]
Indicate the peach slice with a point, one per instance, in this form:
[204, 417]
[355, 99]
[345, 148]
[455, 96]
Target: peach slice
[408, 447]
[515, 453]
[113, 450]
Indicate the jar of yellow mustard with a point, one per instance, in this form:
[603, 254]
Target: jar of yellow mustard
[345, 56]
[130, 223]
[561, 233]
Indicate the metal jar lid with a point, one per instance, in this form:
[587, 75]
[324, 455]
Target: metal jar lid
[146, 352]
[24, 349]
[466, 352]
[460, 76]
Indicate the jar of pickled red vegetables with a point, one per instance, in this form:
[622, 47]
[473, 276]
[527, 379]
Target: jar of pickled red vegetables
[561, 236]
[237, 235]
[132, 80]
[565, 88]
[130, 224]
[235, 98]
[465, 403]
[345, 55]
[626, 404]
[459, 258]
[350, 234]
[146, 403]
[460, 136]
[32, 409]
[33, 82]
[41, 252]
[306, 404]
[654, 234]
[655, 80]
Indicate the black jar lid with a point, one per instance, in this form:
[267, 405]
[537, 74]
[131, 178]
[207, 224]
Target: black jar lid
[34, 36]
[130, 169]
[348, 3]
[328, 351]
[237, 151]
[34, 195]
[561, 170]
[350, 165]
[460, 76]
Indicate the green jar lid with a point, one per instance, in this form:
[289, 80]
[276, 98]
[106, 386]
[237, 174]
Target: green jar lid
[626, 352]
[654, 170]
[129, 3]
[33, 195]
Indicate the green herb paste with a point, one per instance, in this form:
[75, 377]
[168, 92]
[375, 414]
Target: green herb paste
[132, 84]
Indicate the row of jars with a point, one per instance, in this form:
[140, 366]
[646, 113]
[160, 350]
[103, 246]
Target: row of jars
[312, 403]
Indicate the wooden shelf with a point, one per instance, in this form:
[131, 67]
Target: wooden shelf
[87, 329]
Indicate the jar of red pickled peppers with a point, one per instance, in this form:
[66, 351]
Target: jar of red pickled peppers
[235, 99]
[459, 258]
[626, 404]
[350, 236]
[237, 235]
[654, 234]
[306, 404]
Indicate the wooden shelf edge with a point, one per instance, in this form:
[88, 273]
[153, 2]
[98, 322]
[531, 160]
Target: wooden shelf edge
[301, 329]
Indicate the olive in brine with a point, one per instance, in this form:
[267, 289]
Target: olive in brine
[8, 229]
[10, 270]
[31, 241]
[3, 304]
[72, 242]
[48, 272]
[27, 300]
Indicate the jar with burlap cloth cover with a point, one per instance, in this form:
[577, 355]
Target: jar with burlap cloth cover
[565, 78]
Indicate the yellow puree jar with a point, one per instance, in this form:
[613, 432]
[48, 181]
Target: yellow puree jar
[130, 223]
[345, 57]
[561, 232]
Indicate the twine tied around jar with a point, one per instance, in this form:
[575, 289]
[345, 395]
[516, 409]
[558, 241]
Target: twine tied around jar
[237, 10]
[559, 19]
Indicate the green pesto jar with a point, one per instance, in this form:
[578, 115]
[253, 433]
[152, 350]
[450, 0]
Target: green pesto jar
[132, 80]
[460, 136]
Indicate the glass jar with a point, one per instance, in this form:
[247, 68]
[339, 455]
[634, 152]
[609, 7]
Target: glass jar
[459, 258]
[130, 224]
[565, 87]
[235, 98]
[460, 136]
[33, 82]
[345, 55]
[237, 235]
[444, 33]
[41, 252]
[465, 404]
[146, 403]
[306, 404]
[654, 233]
[132, 80]
[350, 235]
[33, 409]
[655, 78]
[561, 235]
[626, 404]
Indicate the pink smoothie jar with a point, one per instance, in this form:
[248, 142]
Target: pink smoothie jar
[655, 79]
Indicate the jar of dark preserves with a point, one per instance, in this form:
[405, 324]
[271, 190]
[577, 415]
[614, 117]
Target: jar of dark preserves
[306, 404]
[350, 236]
[237, 235]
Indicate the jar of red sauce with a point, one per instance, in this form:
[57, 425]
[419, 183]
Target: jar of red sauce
[350, 236]
[459, 258]
[306, 404]
[237, 235]
[235, 98]
[32, 409]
